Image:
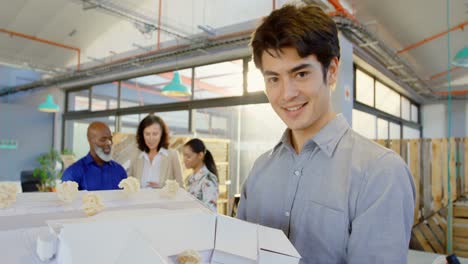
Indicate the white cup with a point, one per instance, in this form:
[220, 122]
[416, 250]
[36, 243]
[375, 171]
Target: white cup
[46, 246]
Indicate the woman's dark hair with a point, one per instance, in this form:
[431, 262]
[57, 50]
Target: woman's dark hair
[198, 146]
[146, 122]
[306, 28]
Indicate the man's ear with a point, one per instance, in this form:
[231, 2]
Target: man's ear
[332, 73]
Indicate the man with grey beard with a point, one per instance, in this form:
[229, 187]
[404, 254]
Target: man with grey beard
[96, 171]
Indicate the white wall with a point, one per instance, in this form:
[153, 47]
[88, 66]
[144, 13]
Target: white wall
[34, 98]
[435, 119]
[342, 97]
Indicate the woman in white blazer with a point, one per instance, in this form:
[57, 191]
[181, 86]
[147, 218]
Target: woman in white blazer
[155, 163]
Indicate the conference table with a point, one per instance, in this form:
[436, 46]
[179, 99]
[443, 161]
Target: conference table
[23, 222]
[26, 220]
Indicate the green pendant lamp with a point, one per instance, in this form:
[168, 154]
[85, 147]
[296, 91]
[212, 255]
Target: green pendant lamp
[49, 105]
[461, 58]
[175, 87]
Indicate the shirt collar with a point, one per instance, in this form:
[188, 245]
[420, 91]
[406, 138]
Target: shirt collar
[162, 151]
[88, 158]
[203, 171]
[326, 139]
[330, 135]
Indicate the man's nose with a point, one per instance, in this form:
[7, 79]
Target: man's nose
[289, 89]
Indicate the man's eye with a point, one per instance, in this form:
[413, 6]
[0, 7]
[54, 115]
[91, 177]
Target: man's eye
[272, 79]
[302, 74]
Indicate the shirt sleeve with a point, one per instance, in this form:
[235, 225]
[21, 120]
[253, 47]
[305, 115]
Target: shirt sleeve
[241, 209]
[73, 173]
[381, 227]
[123, 173]
[210, 192]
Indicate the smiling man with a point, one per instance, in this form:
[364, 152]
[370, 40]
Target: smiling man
[339, 197]
[96, 171]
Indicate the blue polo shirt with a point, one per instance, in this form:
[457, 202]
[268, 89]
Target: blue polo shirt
[90, 176]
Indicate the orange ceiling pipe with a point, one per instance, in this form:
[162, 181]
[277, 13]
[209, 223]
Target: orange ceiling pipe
[444, 73]
[340, 9]
[45, 41]
[159, 24]
[458, 92]
[431, 38]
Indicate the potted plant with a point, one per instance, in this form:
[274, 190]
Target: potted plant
[49, 171]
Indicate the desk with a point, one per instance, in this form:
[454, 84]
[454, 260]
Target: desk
[420, 257]
[21, 224]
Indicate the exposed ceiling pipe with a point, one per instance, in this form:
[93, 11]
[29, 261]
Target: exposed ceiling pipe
[456, 92]
[341, 10]
[349, 25]
[220, 48]
[159, 24]
[431, 38]
[157, 63]
[444, 73]
[45, 41]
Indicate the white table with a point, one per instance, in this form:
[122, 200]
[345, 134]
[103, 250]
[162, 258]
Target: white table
[24, 221]
[420, 257]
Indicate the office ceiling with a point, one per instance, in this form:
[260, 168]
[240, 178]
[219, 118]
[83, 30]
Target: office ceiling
[48, 35]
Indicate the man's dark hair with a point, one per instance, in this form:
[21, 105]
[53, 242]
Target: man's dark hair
[146, 122]
[306, 28]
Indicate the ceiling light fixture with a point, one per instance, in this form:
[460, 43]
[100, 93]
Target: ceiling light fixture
[175, 87]
[49, 106]
[461, 58]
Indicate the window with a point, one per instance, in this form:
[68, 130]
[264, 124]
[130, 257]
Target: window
[177, 121]
[255, 81]
[78, 100]
[405, 108]
[235, 123]
[364, 88]
[215, 122]
[129, 123]
[146, 90]
[387, 99]
[409, 132]
[364, 124]
[104, 96]
[395, 132]
[219, 80]
[76, 130]
[414, 113]
[382, 128]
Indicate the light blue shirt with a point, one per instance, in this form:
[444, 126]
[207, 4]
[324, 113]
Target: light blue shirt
[343, 199]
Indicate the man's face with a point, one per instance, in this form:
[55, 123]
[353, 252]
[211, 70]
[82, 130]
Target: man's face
[296, 89]
[101, 143]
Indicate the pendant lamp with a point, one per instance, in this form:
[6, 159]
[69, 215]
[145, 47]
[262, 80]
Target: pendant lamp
[175, 87]
[49, 105]
[461, 58]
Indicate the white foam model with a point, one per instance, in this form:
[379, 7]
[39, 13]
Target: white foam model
[170, 189]
[67, 191]
[8, 192]
[92, 204]
[130, 185]
[162, 235]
